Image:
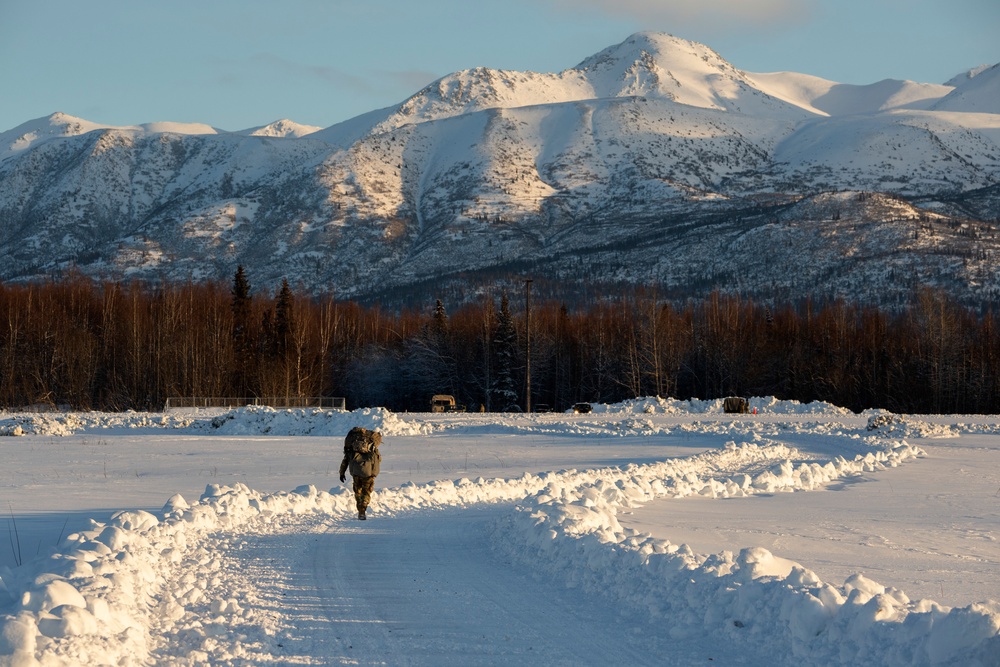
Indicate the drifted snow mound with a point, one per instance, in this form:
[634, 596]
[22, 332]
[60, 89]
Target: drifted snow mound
[260, 420]
[896, 426]
[569, 532]
[251, 420]
[47, 424]
[767, 404]
[68, 423]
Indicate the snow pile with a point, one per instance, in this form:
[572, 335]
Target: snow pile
[770, 404]
[895, 426]
[68, 423]
[250, 420]
[36, 424]
[880, 421]
[766, 404]
[569, 531]
[259, 420]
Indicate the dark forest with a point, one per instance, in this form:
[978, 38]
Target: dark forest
[76, 344]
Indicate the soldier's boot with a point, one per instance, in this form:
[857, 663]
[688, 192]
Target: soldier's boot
[361, 514]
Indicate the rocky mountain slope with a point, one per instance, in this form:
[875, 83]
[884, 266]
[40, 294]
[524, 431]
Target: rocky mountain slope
[652, 162]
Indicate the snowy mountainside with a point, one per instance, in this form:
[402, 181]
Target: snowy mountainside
[824, 97]
[654, 148]
[962, 77]
[979, 93]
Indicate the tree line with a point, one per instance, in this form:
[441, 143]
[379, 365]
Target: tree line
[78, 344]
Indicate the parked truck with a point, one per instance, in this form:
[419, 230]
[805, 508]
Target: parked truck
[445, 403]
[736, 404]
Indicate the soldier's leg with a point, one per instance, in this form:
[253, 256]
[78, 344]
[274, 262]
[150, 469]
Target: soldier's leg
[358, 492]
[363, 487]
[367, 486]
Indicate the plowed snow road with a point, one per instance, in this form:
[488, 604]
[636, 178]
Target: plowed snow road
[425, 588]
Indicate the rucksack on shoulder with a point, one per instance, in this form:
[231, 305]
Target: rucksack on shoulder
[365, 464]
[361, 440]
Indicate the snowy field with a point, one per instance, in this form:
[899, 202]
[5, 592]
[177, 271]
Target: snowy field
[653, 532]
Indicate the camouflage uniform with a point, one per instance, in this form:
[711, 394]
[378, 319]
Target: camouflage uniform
[361, 440]
[363, 487]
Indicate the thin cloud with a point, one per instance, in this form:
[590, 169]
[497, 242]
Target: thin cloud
[329, 75]
[379, 84]
[687, 13]
[412, 80]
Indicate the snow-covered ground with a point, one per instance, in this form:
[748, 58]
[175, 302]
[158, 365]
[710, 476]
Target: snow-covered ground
[652, 532]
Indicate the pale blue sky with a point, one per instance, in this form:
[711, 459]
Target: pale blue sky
[236, 64]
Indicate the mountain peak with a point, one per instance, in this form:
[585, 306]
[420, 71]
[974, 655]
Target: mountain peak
[69, 126]
[659, 65]
[648, 63]
[666, 49]
[965, 76]
[481, 88]
[35, 131]
[283, 128]
[980, 92]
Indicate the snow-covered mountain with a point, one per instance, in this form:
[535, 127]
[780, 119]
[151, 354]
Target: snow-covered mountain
[653, 161]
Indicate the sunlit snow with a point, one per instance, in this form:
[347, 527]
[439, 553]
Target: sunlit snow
[654, 531]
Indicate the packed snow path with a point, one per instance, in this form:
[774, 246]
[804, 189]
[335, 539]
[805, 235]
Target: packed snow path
[424, 588]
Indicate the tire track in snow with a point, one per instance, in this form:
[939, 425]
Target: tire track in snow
[424, 587]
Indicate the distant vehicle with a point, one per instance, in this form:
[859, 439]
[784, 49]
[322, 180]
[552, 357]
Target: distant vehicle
[736, 404]
[582, 408]
[543, 407]
[445, 403]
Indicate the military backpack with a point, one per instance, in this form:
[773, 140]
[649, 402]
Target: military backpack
[361, 448]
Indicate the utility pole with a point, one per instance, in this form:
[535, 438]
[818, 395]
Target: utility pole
[527, 343]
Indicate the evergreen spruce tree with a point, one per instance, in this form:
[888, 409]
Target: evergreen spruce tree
[243, 344]
[439, 326]
[281, 371]
[439, 344]
[284, 320]
[505, 354]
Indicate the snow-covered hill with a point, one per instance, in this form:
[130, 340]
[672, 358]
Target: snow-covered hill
[652, 148]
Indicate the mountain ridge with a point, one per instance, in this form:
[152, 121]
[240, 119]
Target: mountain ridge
[630, 155]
